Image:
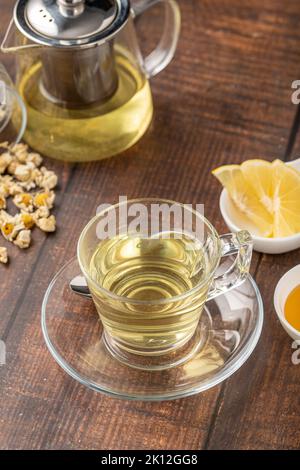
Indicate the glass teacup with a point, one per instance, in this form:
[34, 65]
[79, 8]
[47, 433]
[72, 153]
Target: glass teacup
[150, 286]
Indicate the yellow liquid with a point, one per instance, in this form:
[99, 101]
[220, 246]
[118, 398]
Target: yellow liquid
[95, 132]
[292, 308]
[153, 271]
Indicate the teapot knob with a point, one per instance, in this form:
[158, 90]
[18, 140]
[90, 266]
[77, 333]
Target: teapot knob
[70, 8]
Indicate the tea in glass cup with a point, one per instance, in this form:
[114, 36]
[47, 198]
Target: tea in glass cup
[150, 288]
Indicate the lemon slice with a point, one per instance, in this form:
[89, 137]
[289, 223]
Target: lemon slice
[260, 175]
[286, 200]
[245, 198]
[268, 194]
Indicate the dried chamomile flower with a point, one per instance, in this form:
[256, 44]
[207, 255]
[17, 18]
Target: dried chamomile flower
[11, 169]
[3, 191]
[12, 226]
[44, 199]
[36, 172]
[23, 173]
[9, 231]
[3, 255]
[19, 149]
[15, 188]
[41, 212]
[47, 179]
[2, 202]
[24, 201]
[28, 185]
[20, 172]
[47, 224]
[5, 161]
[21, 156]
[35, 158]
[28, 220]
[23, 239]
[6, 179]
[5, 217]
[23, 220]
[31, 182]
[5, 182]
[4, 145]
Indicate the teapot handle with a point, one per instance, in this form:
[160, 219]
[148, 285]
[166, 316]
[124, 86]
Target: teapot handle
[158, 59]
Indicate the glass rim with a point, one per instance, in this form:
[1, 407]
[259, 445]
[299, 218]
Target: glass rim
[125, 299]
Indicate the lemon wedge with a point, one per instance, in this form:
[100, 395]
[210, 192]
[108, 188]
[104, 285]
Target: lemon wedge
[259, 174]
[286, 200]
[267, 194]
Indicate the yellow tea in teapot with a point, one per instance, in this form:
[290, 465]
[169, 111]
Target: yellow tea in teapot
[93, 132]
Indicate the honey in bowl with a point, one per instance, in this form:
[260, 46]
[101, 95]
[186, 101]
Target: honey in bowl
[292, 308]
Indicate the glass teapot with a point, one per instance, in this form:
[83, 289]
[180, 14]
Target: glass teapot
[81, 74]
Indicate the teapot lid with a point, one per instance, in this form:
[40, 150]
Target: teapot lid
[65, 23]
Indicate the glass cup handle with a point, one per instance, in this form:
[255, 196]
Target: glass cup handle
[241, 244]
[158, 59]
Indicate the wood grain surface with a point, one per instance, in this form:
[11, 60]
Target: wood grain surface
[226, 97]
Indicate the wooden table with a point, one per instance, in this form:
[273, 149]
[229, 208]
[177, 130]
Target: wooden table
[225, 98]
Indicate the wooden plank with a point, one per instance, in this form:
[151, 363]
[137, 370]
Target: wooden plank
[259, 408]
[224, 99]
[263, 412]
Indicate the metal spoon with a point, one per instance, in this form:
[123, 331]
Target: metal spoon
[79, 286]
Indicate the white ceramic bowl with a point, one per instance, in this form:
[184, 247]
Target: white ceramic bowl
[286, 284]
[261, 244]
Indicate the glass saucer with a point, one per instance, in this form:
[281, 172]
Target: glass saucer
[231, 325]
